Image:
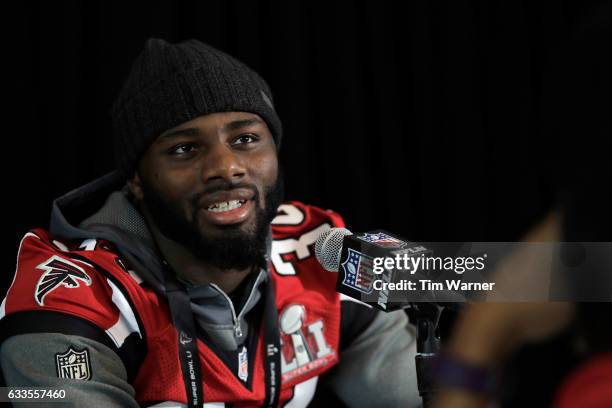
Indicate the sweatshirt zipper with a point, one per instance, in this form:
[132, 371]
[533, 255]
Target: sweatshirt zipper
[236, 320]
[237, 329]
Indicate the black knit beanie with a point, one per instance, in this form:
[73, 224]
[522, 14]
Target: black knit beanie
[170, 84]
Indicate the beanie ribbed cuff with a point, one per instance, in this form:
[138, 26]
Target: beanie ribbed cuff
[171, 84]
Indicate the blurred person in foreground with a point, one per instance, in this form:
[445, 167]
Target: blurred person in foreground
[489, 336]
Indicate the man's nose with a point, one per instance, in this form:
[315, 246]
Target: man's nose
[221, 163]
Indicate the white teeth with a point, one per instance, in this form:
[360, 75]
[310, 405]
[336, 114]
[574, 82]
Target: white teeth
[226, 205]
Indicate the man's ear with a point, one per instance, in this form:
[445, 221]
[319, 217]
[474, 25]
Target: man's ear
[135, 186]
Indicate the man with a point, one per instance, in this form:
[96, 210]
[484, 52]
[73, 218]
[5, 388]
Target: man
[183, 268]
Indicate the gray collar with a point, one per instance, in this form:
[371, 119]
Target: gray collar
[226, 326]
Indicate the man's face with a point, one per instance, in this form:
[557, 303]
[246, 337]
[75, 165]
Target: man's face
[212, 185]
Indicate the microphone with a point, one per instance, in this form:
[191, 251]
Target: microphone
[364, 274]
[354, 256]
[329, 247]
[367, 265]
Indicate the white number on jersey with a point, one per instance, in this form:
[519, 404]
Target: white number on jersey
[288, 214]
[300, 246]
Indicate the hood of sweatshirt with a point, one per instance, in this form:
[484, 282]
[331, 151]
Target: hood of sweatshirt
[103, 209]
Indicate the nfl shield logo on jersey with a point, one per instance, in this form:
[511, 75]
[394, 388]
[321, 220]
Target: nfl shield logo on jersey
[358, 273]
[73, 364]
[243, 364]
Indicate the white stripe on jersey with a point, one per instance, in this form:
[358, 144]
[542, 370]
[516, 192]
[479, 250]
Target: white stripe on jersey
[126, 323]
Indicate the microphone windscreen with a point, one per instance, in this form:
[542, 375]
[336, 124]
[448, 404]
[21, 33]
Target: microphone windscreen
[329, 247]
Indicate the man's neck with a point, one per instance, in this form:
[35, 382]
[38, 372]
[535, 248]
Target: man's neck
[192, 269]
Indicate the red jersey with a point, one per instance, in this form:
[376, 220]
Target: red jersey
[89, 280]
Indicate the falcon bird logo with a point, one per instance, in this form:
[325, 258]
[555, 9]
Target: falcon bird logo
[58, 271]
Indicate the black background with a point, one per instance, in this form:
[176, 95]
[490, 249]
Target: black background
[437, 120]
[429, 119]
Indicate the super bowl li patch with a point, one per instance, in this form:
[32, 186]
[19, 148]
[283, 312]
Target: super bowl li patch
[73, 364]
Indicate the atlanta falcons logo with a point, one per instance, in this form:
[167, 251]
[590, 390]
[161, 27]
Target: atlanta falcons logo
[58, 271]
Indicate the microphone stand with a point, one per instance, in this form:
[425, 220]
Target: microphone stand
[427, 316]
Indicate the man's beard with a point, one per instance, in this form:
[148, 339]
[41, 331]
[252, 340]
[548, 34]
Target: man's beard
[235, 248]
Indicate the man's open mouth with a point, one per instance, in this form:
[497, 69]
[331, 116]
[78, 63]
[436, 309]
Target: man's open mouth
[226, 205]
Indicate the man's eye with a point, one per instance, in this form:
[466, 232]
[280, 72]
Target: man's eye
[246, 138]
[182, 149]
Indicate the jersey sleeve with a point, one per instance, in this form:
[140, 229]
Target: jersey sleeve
[51, 278]
[57, 289]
